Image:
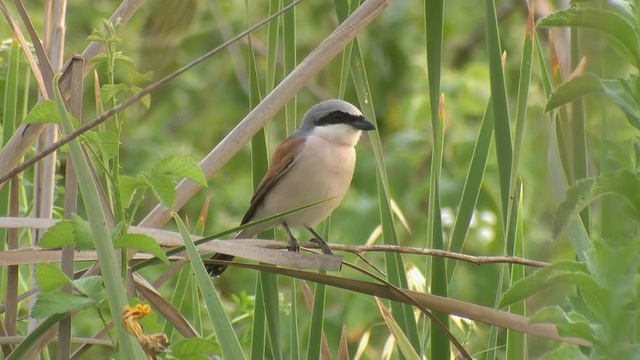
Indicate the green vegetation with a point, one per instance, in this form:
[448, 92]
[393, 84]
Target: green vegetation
[506, 162]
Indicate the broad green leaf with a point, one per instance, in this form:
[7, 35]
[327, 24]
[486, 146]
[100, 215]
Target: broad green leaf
[577, 329]
[59, 302]
[579, 306]
[561, 272]
[90, 286]
[125, 59]
[553, 314]
[141, 242]
[145, 100]
[59, 235]
[613, 24]
[50, 278]
[109, 144]
[625, 93]
[566, 326]
[622, 183]
[100, 57]
[109, 91]
[128, 187]
[164, 188]
[82, 233]
[194, 346]
[44, 112]
[565, 352]
[573, 89]
[181, 166]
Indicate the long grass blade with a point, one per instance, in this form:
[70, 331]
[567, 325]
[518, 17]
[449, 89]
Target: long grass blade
[316, 331]
[401, 339]
[502, 131]
[516, 341]
[227, 339]
[472, 185]
[394, 263]
[434, 14]
[440, 347]
[502, 127]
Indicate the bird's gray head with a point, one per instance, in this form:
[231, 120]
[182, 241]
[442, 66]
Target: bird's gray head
[335, 120]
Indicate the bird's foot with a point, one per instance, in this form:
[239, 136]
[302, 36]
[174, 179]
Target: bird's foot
[293, 243]
[294, 246]
[320, 241]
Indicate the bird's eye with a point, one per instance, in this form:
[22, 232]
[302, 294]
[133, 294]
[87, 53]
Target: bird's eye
[338, 116]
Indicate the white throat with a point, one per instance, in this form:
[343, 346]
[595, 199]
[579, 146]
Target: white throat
[339, 134]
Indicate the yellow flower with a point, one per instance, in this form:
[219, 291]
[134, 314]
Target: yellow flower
[152, 344]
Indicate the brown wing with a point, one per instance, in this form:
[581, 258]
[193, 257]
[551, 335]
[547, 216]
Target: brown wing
[281, 162]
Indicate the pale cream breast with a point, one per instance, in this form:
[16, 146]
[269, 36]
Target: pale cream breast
[323, 170]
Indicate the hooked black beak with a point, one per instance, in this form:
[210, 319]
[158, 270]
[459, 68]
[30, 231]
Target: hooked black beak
[363, 124]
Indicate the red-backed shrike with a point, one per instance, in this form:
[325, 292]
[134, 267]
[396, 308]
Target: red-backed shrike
[315, 163]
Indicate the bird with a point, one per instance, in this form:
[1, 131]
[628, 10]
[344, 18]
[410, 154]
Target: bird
[313, 164]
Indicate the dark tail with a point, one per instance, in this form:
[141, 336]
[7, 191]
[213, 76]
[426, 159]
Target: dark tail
[216, 270]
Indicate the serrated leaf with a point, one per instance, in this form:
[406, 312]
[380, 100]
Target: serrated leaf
[553, 314]
[95, 37]
[145, 100]
[50, 278]
[194, 346]
[125, 59]
[543, 278]
[582, 193]
[44, 112]
[577, 329]
[128, 187]
[112, 90]
[611, 23]
[98, 58]
[90, 286]
[566, 326]
[109, 144]
[58, 302]
[164, 188]
[181, 166]
[573, 89]
[625, 94]
[141, 242]
[59, 235]
[138, 78]
[82, 233]
[564, 352]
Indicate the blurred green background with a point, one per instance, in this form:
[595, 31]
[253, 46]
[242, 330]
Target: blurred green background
[192, 113]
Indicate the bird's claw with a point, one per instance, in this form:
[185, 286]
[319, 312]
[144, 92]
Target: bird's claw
[294, 247]
[323, 245]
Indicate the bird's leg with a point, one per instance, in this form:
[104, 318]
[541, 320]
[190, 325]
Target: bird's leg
[293, 243]
[320, 241]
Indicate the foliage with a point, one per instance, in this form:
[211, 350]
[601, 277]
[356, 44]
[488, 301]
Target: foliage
[512, 156]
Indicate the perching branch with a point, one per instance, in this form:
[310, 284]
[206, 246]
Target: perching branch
[478, 260]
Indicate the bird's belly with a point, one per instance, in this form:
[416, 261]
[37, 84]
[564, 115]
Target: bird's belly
[322, 174]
